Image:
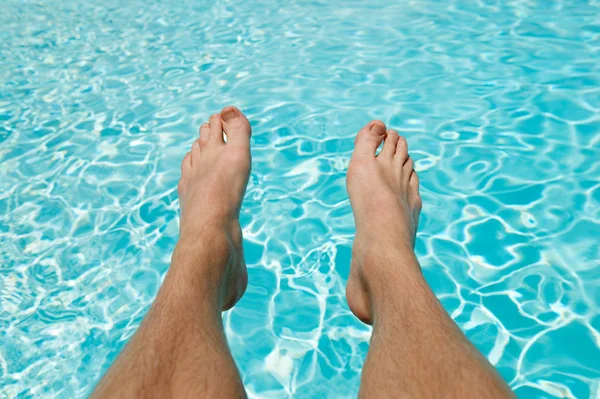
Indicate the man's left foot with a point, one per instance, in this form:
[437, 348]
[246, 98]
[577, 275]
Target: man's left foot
[214, 176]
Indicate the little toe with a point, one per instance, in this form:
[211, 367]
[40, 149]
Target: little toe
[369, 138]
[407, 171]
[401, 150]
[389, 145]
[186, 164]
[216, 130]
[414, 198]
[195, 153]
[204, 133]
[236, 126]
[413, 184]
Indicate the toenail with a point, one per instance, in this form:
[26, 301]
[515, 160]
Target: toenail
[378, 129]
[228, 115]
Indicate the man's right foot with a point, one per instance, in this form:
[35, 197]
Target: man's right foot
[214, 175]
[384, 193]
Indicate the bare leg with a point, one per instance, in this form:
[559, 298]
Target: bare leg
[416, 349]
[180, 349]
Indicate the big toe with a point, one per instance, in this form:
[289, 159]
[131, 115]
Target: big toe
[236, 126]
[369, 138]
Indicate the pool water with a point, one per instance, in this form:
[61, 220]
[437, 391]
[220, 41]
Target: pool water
[499, 101]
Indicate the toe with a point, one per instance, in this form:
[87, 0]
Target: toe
[216, 130]
[407, 171]
[236, 126]
[401, 150]
[204, 133]
[186, 165]
[186, 170]
[413, 188]
[389, 145]
[414, 198]
[195, 153]
[369, 138]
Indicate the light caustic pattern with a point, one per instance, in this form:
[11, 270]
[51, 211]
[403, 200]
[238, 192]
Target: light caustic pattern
[499, 101]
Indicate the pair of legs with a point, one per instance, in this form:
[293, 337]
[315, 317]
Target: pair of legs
[180, 349]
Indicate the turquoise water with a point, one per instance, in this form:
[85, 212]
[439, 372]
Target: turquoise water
[499, 100]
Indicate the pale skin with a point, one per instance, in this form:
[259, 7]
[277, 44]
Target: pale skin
[180, 350]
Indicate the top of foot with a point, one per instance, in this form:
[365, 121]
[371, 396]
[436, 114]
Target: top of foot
[214, 176]
[384, 189]
[384, 193]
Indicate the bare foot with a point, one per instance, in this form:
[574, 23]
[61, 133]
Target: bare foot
[214, 175]
[384, 193]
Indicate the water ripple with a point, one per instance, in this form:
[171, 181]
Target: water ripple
[501, 107]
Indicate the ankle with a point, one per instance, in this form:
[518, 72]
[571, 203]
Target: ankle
[382, 260]
[391, 276]
[209, 242]
[182, 297]
[199, 262]
[208, 224]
